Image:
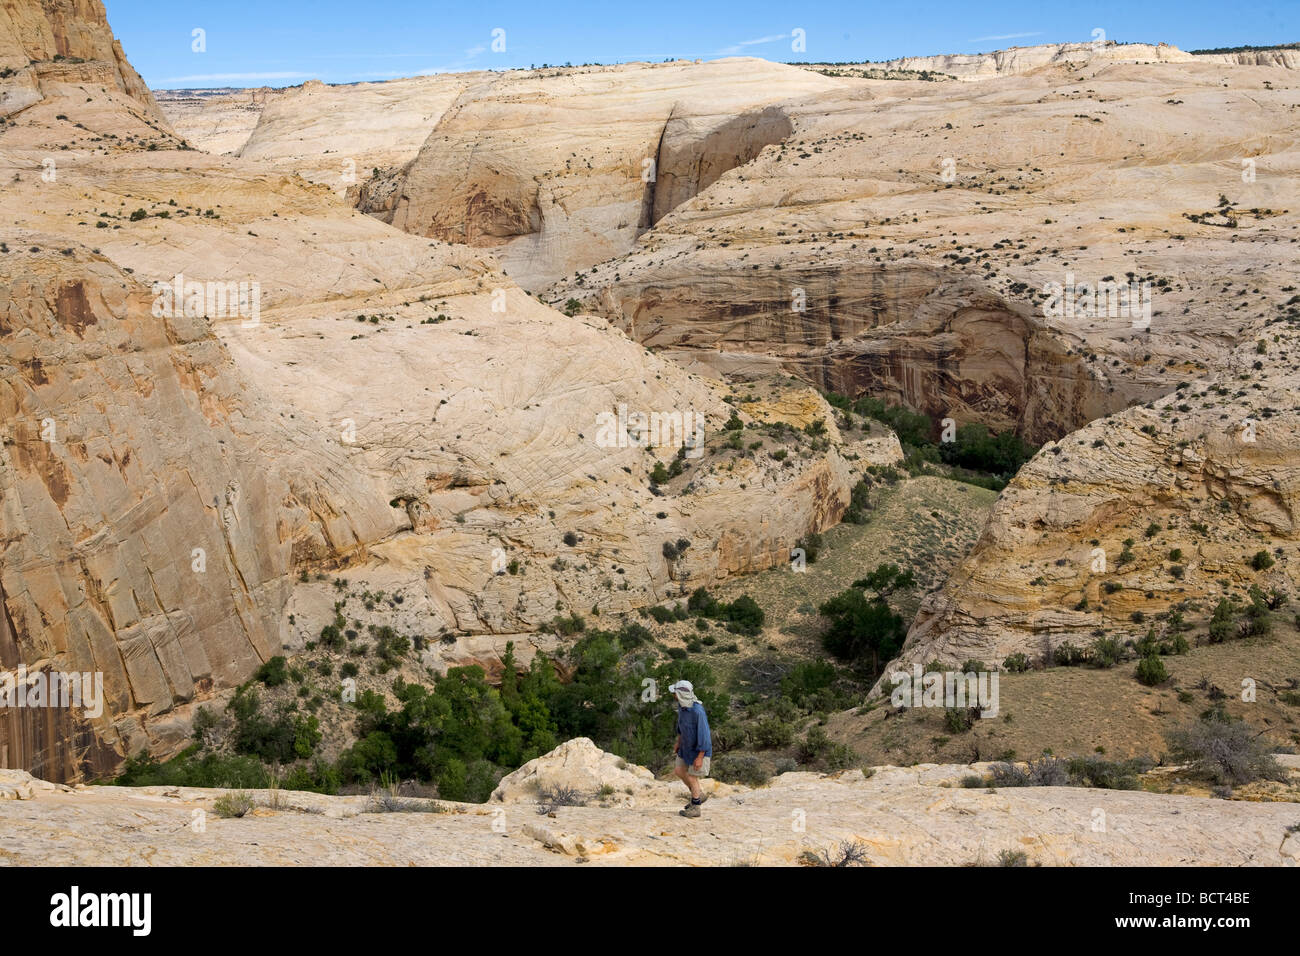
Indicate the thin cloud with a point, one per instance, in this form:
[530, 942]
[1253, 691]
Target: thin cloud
[1007, 36]
[736, 48]
[236, 77]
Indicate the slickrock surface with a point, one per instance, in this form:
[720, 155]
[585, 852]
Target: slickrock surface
[848, 253]
[385, 125]
[558, 170]
[869, 235]
[216, 121]
[899, 816]
[335, 135]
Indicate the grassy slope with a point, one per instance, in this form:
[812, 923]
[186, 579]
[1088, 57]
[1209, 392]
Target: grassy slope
[928, 524]
[1073, 710]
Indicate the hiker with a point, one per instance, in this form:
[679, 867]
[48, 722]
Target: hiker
[694, 747]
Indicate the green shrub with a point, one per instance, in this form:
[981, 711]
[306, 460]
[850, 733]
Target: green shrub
[273, 738]
[977, 448]
[885, 579]
[772, 732]
[204, 721]
[742, 616]
[859, 503]
[319, 777]
[274, 672]
[1016, 663]
[1096, 771]
[957, 720]
[568, 626]
[740, 768]
[815, 745]
[1221, 624]
[188, 769]
[1151, 671]
[811, 545]
[912, 428]
[331, 638]
[1068, 655]
[236, 804]
[806, 680]
[1262, 561]
[701, 603]
[862, 628]
[1105, 652]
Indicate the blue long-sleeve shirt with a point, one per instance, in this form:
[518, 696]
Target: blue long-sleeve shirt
[693, 726]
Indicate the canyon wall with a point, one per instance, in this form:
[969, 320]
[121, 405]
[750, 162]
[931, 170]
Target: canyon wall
[62, 40]
[1162, 505]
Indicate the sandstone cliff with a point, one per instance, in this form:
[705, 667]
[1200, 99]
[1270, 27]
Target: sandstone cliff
[558, 171]
[901, 241]
[144, 537]
[1132, 515]
[63, 40]
[1023, 59]
[1287, 58]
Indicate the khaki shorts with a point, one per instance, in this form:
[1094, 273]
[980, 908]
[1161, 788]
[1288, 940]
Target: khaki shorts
[702, 772]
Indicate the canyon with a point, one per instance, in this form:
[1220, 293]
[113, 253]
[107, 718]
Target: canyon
[458, 278]
[176, 487]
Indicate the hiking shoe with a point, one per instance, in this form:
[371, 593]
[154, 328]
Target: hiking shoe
[691, 801]
[692, 810]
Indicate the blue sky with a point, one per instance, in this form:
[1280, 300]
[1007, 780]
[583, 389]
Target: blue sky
[283, 42]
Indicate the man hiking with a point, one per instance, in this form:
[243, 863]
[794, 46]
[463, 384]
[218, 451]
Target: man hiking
[694, 747]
